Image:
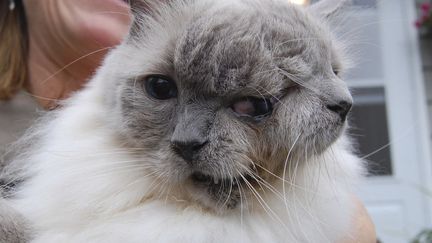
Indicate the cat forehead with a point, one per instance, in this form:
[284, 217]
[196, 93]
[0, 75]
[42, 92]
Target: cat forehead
[237, 48]
[242, 44]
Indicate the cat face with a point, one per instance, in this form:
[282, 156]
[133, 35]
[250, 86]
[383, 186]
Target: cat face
[221, 95]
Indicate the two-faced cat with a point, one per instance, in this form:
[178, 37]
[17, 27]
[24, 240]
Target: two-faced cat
[214, 121]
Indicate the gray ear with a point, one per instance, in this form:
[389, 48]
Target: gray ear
[141, 11]
[327, 9]
[140, 7]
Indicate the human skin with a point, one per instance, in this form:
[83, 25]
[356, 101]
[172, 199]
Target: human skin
[68, 40]
[363, 230]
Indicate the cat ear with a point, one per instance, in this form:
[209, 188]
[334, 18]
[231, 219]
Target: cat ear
[327, 9]
[141, 11]
[140, 7]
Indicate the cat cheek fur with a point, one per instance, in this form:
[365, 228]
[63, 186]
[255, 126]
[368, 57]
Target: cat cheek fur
[104, 169]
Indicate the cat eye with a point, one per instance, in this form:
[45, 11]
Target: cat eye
[256, 108]
[336, 71]
[160, 87]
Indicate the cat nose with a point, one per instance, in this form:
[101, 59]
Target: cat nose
[187, 149]
[342, 108]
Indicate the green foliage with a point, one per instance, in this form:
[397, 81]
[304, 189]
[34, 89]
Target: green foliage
[424, 236]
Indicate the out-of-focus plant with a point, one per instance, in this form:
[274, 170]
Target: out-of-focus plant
[424, 237]
[424, 22]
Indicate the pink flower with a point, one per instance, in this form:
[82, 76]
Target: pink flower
[418, 23]
[425, 7]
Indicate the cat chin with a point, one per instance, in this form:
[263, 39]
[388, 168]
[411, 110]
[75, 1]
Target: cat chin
[244, 193]
[220, 196]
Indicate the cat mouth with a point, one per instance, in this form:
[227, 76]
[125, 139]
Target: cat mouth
[223, 193]
[214, 182]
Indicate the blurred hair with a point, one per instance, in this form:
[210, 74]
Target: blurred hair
[13, 49]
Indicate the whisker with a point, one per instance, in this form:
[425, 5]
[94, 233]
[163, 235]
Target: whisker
[75, 61]
[263, 203]
[284, 171]
[241, 206]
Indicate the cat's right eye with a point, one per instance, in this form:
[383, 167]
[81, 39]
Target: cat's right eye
[160, 87]
[253, 107]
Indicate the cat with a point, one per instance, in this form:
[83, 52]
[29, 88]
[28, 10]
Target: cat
[213, 121]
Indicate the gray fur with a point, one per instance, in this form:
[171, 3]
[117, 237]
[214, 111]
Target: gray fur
[217, 55]
[13, 227]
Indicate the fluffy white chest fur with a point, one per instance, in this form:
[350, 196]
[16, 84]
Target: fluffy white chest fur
[120, 162]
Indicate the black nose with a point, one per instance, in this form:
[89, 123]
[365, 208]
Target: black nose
[342, 108]
[187, 149]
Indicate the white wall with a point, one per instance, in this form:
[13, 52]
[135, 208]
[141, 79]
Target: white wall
[426, 52]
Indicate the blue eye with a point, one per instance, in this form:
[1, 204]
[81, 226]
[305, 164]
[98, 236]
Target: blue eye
[253, 107]
[160, 87]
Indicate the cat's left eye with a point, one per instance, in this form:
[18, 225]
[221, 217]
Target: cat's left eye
[336, 71]
[253, 107]
[160, 87]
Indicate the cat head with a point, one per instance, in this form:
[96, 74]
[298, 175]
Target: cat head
[220, 95]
